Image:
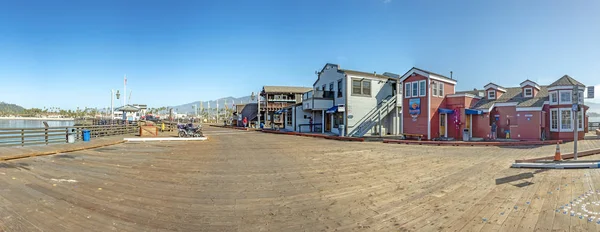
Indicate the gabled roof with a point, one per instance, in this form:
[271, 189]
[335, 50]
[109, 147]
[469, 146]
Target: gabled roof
[491, 85]
[566, 80]
[285, 89]
[531, 83]
[413, 69]
[515, 94]
[128, 108]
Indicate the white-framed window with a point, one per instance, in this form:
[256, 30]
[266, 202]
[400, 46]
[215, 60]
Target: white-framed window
[422, 88]
[361, 87]
[415, 89]
[407, 90]
[528, 92]
[553, 119]
[441, 89]
[566, 122]
[491, 94]
[553, 98]
[434, 89]
[580, 97]
[565, 97]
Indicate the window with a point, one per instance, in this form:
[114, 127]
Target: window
[415, 89]
[339, 89]
[491, 94]
[422, 88]
[434, 91]
[565, 119]
[331, 86]
[580, 97]
[288, 119]
[553, 97]
[356, 87]
[366, 86]
[407, 90]
[554, 119]
[528, 92]
[338, 119]
[565, 97]
[441, 89]
[361, 87]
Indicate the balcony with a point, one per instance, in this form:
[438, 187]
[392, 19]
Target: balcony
[317, 100]
[273, 106]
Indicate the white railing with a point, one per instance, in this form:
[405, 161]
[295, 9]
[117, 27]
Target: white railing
[374, 116]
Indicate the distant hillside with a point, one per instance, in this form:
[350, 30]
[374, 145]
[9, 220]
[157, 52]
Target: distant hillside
[6, 108]
[213, 104]
[594, 107]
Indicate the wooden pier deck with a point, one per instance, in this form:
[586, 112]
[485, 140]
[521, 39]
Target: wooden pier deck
[252, 181]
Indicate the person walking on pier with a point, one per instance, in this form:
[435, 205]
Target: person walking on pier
[245, 121]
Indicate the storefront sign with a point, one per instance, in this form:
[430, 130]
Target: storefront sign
[529, 115]
[414, 108]
[341, 108]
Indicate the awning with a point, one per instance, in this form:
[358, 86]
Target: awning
[332, 110]
[472, 111]
[278, 112]
[445, 111]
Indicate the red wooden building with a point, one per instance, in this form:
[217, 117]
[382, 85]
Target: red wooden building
[435, 110]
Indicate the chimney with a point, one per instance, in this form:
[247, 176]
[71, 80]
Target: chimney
[451, 75]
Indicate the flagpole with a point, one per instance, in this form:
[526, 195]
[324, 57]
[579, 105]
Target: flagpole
[125, 89]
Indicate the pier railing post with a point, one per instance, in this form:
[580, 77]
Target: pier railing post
[22, 137]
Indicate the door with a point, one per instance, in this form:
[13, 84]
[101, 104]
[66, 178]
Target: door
[468, 126]
[327, 122]
[442, 125]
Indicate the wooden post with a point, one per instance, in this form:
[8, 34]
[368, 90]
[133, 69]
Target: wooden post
[22, 137]
[67, 135]
[46, 132]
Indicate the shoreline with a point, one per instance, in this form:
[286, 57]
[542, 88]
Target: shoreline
[37, 119]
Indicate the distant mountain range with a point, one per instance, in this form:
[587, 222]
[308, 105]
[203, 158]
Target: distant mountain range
[213, 104]
[7, 108]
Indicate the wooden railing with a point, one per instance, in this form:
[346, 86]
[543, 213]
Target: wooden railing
[592, 126]
[51, 135]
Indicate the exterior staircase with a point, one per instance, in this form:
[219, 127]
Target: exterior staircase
[374, 117]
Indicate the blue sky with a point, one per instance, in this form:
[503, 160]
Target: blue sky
[71, 53]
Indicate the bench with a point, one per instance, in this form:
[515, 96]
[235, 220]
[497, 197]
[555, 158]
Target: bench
[314, 125]
[418, 136]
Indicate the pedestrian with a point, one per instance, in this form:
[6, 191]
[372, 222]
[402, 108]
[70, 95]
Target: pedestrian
[245, 121]
[494, 127]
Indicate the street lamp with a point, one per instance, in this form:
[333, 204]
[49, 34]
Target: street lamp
[257, 107]
[112, 111]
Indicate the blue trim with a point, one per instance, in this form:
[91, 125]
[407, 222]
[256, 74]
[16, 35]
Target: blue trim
[332, 110]
[445, 111]
[472, 111]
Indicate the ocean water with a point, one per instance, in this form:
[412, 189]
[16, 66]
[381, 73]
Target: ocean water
[594, 119]
[20, 123]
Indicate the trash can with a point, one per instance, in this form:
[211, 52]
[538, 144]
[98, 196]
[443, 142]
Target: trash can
[466, 136]
[86, 135]
[341, 129]
[71, 135]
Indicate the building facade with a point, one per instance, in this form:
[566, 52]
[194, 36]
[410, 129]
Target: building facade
[275, 99]
[526, 112]
[352, 103]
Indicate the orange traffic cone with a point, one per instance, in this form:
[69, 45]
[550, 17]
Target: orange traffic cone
[557, 156]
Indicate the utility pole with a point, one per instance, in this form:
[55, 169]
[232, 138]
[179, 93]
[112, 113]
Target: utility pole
[575, 115]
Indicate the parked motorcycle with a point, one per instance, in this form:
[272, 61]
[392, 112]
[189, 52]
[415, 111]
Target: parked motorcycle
[189, 130]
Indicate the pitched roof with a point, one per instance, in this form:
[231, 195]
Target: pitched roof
[348, 71]
[423, 70]
[566, 80]
[128, 108]
[285, 89]
[515, 94]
